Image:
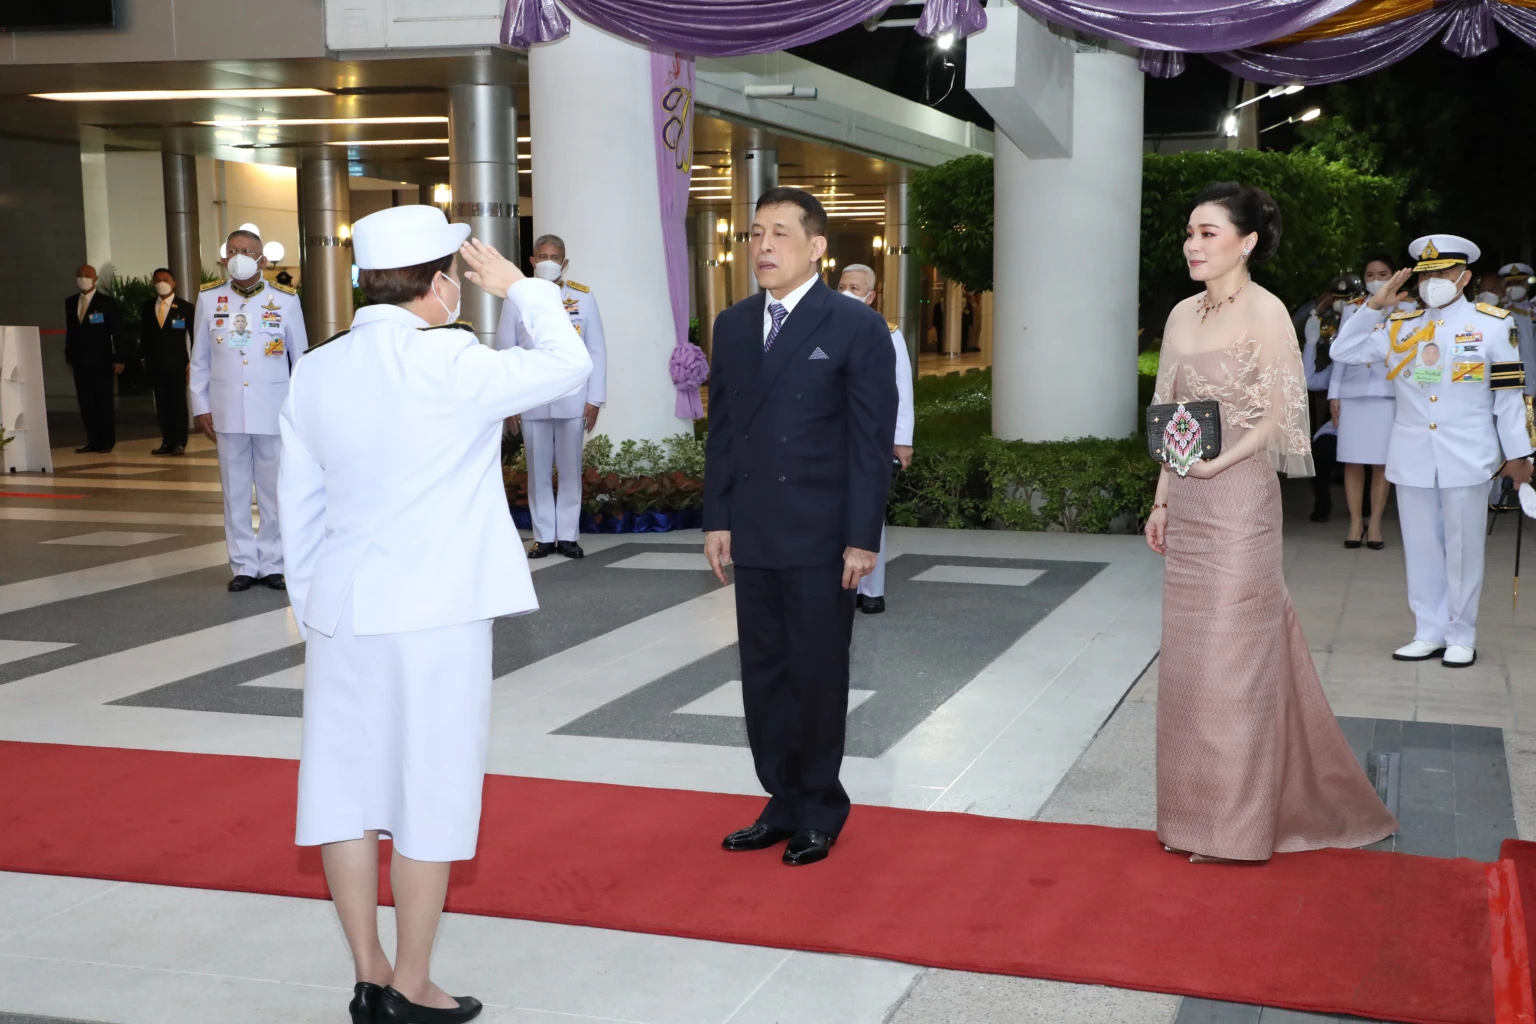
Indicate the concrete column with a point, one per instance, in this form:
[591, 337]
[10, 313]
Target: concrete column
[710, 270]
[179, 171]
[1067, 242]
[596, 188]
[754, 170]
[954, 318]
[325, 224]
[482, 172]
[901, 276]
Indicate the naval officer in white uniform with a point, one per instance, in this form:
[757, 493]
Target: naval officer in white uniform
[858, 283]
[553, 433]
[1459, 421]
[1518, 300]
[400, 552]
[247, 335]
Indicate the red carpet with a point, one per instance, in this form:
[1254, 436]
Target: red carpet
[1400, 938]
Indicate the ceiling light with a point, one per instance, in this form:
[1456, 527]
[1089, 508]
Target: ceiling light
[723, 177]
[389, 142]
[522, 156]
[520, 138]
[178, 94]
[1311, 115]
[227, 135]
[437, 158]
[275, 122]
[442, 194]
[252, 228]
[274, 252]
[945, 41]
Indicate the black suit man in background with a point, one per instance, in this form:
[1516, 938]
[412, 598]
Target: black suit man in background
[165, 337]
[96, 350]
[802, 408]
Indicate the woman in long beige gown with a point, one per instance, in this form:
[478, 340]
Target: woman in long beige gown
[1250, 760]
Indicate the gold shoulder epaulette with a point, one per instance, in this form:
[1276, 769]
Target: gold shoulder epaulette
[332, 338]
[578, 287]
[1406, 314]
[1492, 310]
[285, 289]
[893, 325]
[1357, 300]
[459, 324]
[211, 284]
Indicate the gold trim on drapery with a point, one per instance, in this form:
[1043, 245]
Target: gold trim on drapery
[1366, 14]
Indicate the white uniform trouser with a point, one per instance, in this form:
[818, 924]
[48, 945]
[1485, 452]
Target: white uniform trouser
[557, 444]
[873, 585]
[1444, 529]
[245, 459]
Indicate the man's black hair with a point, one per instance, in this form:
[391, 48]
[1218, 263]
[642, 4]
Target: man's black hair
[813, 216]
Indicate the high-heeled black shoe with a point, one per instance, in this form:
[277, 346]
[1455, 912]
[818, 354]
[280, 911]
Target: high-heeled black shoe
[394, 1008]
[1353, 544]
[1376, 545]
[365, 1002]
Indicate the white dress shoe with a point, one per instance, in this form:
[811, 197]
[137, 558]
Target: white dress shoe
[1419, 650]
[1458, 656]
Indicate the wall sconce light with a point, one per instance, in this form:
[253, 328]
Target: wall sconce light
[879, 244]
[722, 227]
[442, 195]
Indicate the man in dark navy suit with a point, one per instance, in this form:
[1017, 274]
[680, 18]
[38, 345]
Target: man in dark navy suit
[165, 345]
[802, 408]
[95, 349]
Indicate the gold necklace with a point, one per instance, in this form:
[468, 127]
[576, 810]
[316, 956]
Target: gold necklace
[1207, 307]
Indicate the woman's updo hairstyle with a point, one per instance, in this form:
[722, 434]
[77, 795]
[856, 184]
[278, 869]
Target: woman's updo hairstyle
[1250, 210]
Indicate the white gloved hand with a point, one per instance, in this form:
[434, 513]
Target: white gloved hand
[1528, 500]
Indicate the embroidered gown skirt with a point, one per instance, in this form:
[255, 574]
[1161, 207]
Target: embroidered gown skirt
[1250, 760]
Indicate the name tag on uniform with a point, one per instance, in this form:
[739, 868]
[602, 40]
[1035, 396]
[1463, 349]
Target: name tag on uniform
[275, 348]
[178, 325]
[95, 318]
[240, 339]
[1471, 373]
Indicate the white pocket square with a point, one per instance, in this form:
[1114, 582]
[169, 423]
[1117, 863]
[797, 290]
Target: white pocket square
[819, 354]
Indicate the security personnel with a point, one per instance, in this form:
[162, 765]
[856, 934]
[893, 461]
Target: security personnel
[858, 283]
[553, 433]
[95, 347]
[1456, 367]
[1319, 329]
[1519, 301]
[165, 345]
[247, 334]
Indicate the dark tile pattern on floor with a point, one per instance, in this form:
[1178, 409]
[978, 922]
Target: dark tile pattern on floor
[1455, 802]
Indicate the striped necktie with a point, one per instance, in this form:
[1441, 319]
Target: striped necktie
[779, 314]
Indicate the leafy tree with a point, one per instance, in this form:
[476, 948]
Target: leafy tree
[953, 205]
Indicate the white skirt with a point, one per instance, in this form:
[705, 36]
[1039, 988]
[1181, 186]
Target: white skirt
[1365, 430]
[395, 734]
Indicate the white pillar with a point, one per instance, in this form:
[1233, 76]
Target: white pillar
[594, 185]
[1067, 259]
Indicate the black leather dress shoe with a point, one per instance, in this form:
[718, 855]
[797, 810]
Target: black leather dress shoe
[241, 583]
[873, 605]
[179, 449]
[396, 1009]
[754, 837]
[807, 846]
[365, 1002]
[570, 549]
[85, 449]
[1319, 516]
[274, 582]
[164, 449]
[542, 549]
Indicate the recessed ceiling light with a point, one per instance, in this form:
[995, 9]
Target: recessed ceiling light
[437, 158]
[274, 122]
[177, 94]
[390, 142]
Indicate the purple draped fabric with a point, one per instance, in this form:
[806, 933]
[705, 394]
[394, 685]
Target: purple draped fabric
[1162, 63]
[1196, 26]
[703, 28]
[672, 105]
[958, 17]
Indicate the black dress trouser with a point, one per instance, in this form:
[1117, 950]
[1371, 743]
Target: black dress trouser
[94, 390]
[794, 628]
[170, 384]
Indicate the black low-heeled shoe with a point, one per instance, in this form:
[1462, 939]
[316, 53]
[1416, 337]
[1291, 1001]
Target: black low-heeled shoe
[1376, 545]
[394, 1008]
[365, 1002]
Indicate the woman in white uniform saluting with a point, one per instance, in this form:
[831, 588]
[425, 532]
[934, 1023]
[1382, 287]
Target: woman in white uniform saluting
[400, 552]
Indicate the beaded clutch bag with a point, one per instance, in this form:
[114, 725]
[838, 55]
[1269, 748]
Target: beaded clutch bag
[1184, 433]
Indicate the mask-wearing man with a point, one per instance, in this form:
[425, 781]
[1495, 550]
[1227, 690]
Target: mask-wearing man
[1319, 329]
[858, 283]
[553, 434]
[165, 346]
[1518, 279]
[1459, 420]
[95, 347]
[1490, 289]
[247, 333]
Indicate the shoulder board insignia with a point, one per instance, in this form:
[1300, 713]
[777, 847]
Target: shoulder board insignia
[1407, 314]
[210, 284]
[285, 289]
[1492, 310]
[893, 325]
[327, 341]
[1357, 301]
[577, 287]
[459, 324]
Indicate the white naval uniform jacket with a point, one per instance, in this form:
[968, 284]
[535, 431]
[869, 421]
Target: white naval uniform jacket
[582, 309]
[905, 417]
[1524, 311]
[1445, 434]
[1362, 380]
[390, 483]
[243, 380]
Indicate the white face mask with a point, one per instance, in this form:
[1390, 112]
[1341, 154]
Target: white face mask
[548, 270]
[242, 267]
[163, 288]
[457, 301]
[85, 284]
[865, 299]
[1374, 287]
[1437, 291]
[1515, 292]
[1488, 297]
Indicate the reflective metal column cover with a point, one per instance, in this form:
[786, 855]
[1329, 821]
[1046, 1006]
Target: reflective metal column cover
[711, 268]
[901, 271]
[482, 172]
[179, 171]
[325, 221]
[754, 170]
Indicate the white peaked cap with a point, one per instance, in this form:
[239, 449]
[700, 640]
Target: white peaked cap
[1510, 269]
[1440, 252]
[403, 236]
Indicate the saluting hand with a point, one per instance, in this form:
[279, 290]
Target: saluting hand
[488, 268]
[1393, 293]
